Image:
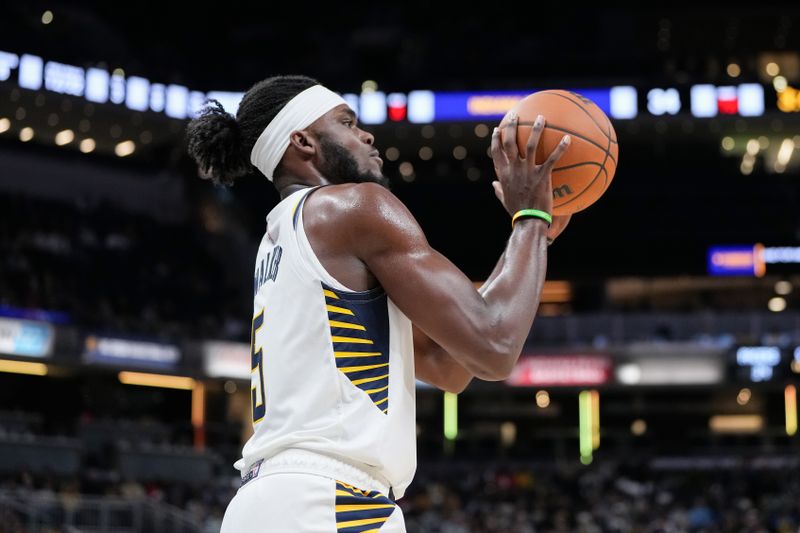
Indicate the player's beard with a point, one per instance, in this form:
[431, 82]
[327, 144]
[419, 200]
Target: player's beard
[341, 167]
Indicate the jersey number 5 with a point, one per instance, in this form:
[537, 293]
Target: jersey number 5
[257, 371]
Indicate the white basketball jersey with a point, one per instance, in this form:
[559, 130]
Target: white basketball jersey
[332, 369]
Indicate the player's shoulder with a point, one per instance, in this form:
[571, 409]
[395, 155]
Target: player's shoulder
[348, 195]
[356, 212]
[353, 201]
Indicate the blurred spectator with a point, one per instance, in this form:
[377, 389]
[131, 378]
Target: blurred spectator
[120, 272]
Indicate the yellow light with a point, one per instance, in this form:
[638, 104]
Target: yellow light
[783, 287]
[743, 397]
[450, 415]
[125, 148]
[734, 70]
[790, 399]
[199, 415]
[87, 146]
[728, 143]
[542, 399]
[773, 69]
[5, 124]
[198, 404]
[779, 83]
[407, 171]
[556, 292]
[156, 380]
[736, 423]
[776, 304]
[508, 433]
[118, 72]
[23, 367]
[585, 426]
[595, 396]
[64, 137]
[638, 427]
[25, 134]
[47, 17]
[481, 131]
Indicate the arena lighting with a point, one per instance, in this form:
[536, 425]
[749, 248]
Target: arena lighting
[450, 415]
[125, 148]
[556, 292]
[372, 107]
[744, 396]
[772, 69]
[5, 125]
[30, 72]
[663, 101]
[26, 134]
[776, 304]
[594, 397]
[746, 100]
[87, 146]
[783, 287]
[638, 427]
[542, 399]
[508, 433]
[64, 137]
[156, 380]
[199, 415]
[23, 367]
[585, 426]
[736, 423]
[790, 401]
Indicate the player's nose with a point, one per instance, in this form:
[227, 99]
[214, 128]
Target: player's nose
[367, 137]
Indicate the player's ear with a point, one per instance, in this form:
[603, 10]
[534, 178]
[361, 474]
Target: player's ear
[303, 141]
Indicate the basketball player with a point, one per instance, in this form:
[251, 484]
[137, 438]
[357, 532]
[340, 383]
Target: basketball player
[351, 304]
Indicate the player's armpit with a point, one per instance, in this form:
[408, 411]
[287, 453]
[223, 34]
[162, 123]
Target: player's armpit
[433, 365]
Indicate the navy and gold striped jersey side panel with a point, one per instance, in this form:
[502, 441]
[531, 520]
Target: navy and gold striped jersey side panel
[359, 325]
[360, 511]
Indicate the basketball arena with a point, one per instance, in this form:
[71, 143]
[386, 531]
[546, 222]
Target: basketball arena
[656, 390]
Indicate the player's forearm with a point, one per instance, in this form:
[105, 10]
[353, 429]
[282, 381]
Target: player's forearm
[513, 296]
[496, 272]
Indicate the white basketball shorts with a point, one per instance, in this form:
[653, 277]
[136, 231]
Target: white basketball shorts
[308, 503]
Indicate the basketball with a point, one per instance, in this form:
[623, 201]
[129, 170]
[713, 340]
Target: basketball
[586, 169]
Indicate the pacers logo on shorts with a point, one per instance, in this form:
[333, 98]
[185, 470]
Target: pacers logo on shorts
[360, 511]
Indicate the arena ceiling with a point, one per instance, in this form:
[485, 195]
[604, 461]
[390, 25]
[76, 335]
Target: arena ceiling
[403, 46]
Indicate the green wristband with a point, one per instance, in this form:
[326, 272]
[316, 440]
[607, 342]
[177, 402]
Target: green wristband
[532, 213]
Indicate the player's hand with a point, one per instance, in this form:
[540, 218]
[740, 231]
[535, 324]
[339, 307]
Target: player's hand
[559, 222]
[525, 184]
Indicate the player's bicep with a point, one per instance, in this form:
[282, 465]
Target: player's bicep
[425, 285]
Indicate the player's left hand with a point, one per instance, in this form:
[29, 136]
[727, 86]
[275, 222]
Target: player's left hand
[558, 225]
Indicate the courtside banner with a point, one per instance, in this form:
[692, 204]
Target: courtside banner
[131, 352]
[561, 370]
[223, 359]
[25, 338]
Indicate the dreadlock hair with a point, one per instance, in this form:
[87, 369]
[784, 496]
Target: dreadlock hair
[221, 144]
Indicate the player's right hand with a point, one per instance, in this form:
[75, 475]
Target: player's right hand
[556, 228]
[525, 184]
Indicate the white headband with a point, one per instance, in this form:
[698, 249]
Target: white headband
[300, 112]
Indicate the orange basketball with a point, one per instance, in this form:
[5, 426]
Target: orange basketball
[586, 169]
